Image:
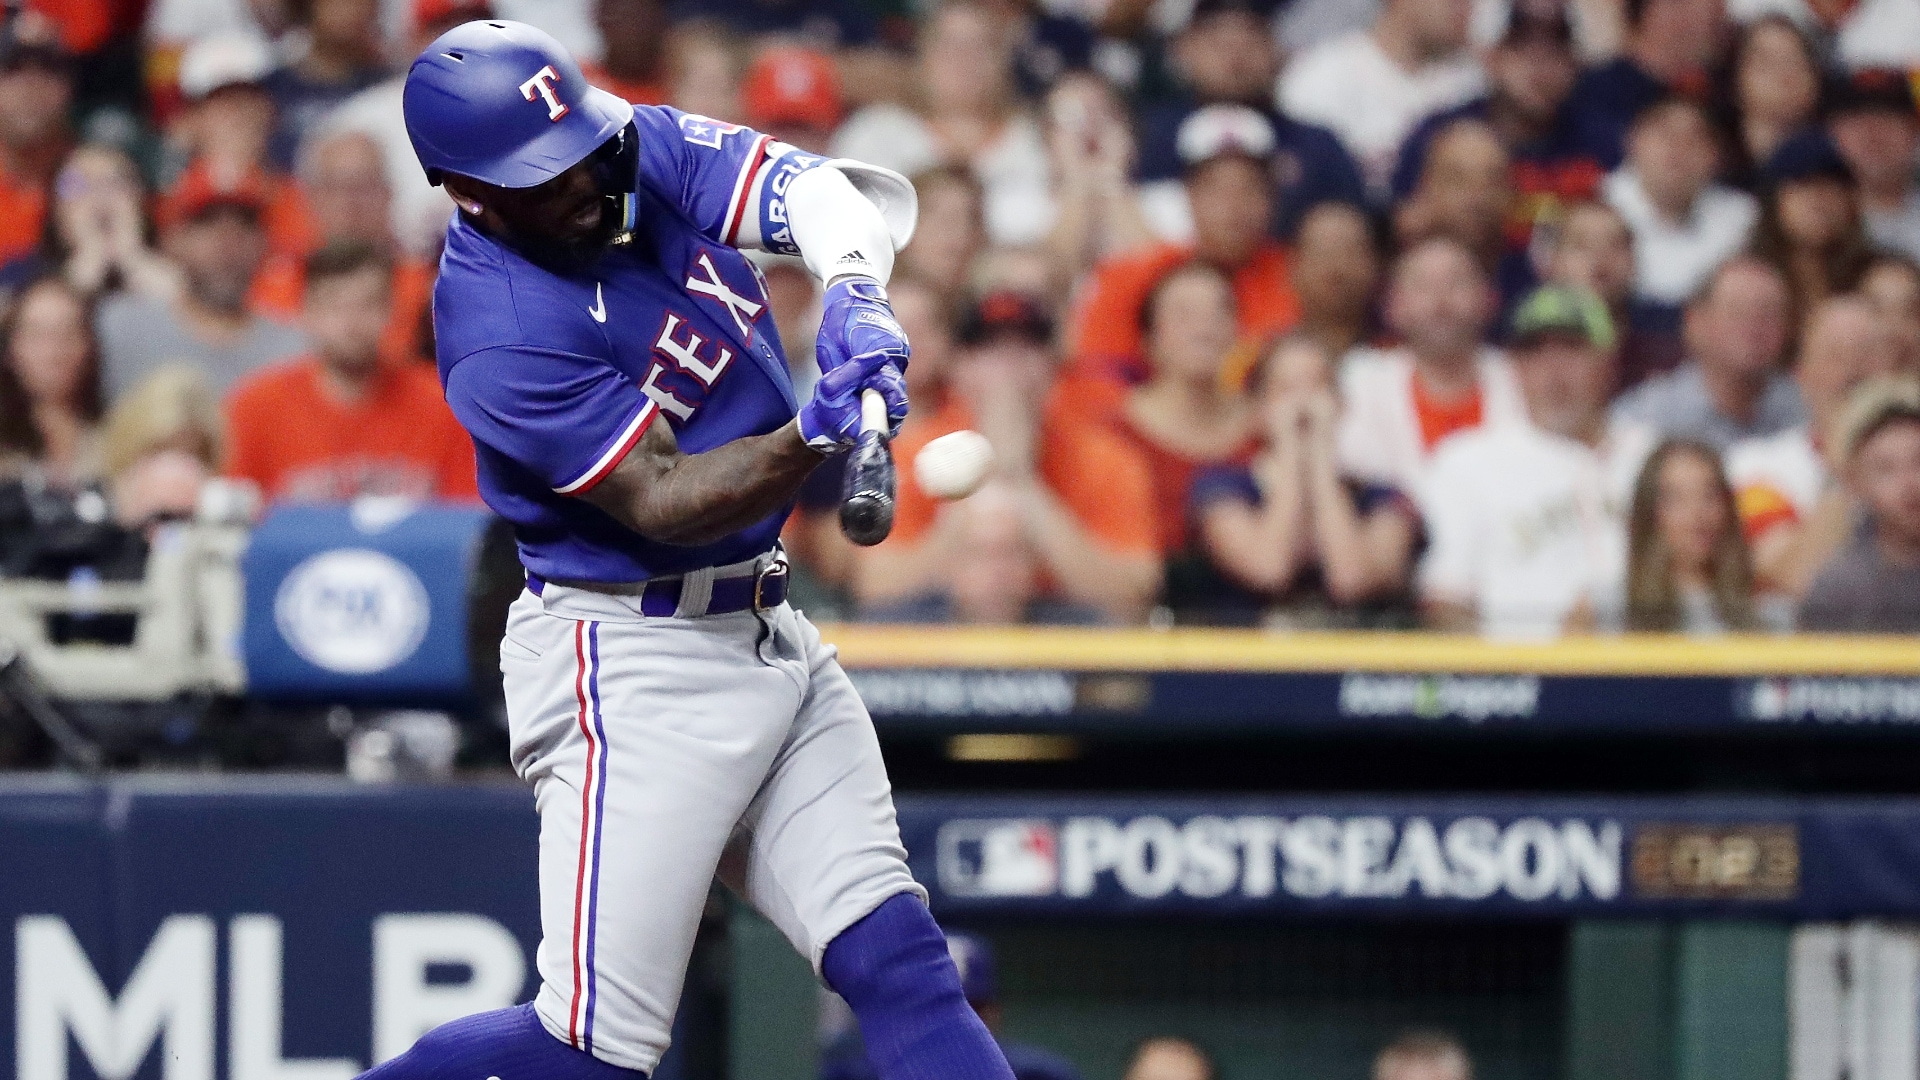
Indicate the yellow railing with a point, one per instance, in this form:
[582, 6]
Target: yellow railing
[875, 646]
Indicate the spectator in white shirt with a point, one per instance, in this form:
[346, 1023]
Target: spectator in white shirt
[1684, 225]
[1372, 86]
[1876, 125]
[1733, 388]
[972, 115]
[1527, 521]
[1789, 506]
[1401, 402]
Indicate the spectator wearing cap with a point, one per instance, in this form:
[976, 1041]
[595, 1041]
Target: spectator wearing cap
[1791, 514]
[344, 56]
[226, 127]
[344, 175]
[1289, 537]
[346, 421]
[1466, 192]
[98, 239]
[1081, 494]
[1732, 387]
[1371, 87]
[1684, 223]
[36, 91]
[1876, 125]
[419, 211]
[1527, 521]
[1551, 162]
[216, 238]
[1593, 250]
[1873, 584]
[1810, 225]
[1402, 402]
[1228, 149]
[793, 94]
[1671, 47]
[1771, 92]
[846, 1059]
[972, 116]
[1226, 55]
[633, 55]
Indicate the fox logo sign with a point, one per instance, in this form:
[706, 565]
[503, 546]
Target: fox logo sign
[1255, 857]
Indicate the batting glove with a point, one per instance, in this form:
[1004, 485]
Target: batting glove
[830, 420]
[857, 319]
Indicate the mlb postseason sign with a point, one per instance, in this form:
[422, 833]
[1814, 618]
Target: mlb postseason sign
[1072, 856]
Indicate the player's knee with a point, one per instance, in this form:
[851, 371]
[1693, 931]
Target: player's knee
[896, 954]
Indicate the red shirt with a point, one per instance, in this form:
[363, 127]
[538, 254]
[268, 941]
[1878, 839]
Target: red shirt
[298, 441]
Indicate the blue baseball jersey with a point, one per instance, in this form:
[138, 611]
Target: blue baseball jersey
[557, 375]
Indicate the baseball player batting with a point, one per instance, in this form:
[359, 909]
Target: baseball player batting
[609, 348]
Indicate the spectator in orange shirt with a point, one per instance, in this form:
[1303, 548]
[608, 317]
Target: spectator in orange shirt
[36, 90]
[343, 422]
[633, 60]
[1183, 419]
[346, 182]
[1080, 496]
[1228, 152]
[98, 238]
[225, 130]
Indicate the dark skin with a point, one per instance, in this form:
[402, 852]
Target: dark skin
[657, 491]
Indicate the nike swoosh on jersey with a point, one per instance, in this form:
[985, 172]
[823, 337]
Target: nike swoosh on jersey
[599, 308]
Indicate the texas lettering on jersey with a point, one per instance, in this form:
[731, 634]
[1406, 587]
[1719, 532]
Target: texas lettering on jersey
[557, 375]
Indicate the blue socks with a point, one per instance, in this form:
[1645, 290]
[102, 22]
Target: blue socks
[508, 1043]
[892, 967]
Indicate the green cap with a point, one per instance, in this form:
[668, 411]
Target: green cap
[1562, 310]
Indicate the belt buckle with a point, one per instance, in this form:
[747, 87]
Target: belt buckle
[776, 567]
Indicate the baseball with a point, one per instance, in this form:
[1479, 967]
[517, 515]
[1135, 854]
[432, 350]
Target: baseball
[953, 466]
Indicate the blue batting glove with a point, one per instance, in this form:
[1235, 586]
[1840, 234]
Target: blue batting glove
[830, 420]
[856, 319]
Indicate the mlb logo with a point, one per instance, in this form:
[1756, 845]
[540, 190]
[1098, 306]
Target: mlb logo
[999, 857]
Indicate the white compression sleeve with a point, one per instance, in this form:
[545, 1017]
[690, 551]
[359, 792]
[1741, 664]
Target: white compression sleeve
[837, 229]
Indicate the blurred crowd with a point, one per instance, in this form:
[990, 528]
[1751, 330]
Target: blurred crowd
[1414, 1054]
[1524, 317]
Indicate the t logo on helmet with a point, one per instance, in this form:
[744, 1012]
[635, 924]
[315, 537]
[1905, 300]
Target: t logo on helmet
[542, 84]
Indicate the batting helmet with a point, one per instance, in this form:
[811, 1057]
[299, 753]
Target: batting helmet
[504, 103]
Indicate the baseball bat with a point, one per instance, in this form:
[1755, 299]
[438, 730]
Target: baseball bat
[866, 506]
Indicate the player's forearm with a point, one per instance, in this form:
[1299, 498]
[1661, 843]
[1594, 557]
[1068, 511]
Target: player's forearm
[837, 229]
[692, 499]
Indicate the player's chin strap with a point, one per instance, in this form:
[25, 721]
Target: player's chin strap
[628, 206]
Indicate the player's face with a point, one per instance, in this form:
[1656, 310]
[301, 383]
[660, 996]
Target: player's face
[567, 220]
